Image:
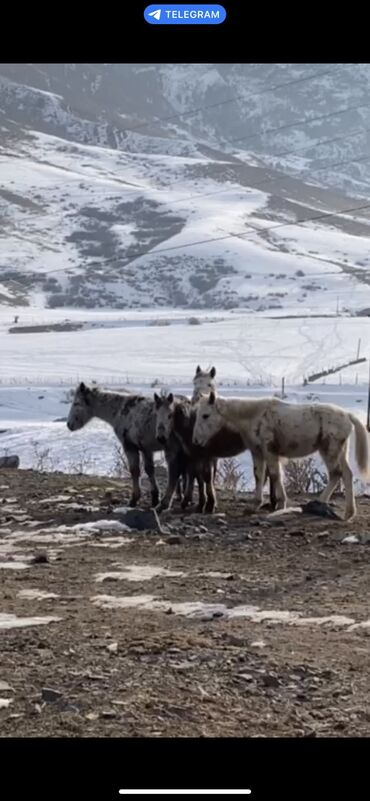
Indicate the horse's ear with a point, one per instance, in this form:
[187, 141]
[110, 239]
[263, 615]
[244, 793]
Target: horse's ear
[213, 372]
[212, 398]
[198, 370]
[170, 397]
[157, 400]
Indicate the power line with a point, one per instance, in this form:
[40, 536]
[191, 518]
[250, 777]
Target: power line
[311, 146]
[322, 216]
[234, 99]
[298, 124]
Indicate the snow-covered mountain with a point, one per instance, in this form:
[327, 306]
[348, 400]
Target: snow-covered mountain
[109, 197]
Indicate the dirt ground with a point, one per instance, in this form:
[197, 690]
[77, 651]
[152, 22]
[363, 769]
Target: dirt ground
[173, 670]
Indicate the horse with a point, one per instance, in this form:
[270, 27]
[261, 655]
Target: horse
[177, 417]
[203, 383]
[133, 419]
[273, 429]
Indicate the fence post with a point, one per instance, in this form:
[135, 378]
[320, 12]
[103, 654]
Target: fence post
[368, 404]
[358, 349]
[283, 388]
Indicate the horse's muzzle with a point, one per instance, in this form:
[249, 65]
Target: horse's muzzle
[161, 439]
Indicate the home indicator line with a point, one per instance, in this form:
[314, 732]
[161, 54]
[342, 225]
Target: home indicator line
[185, 792]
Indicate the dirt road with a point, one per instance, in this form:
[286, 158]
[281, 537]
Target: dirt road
[236, 624]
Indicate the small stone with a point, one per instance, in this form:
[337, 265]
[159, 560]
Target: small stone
[113, 647]
[5, 686]
[174, 539]
[51, 696]
[40, 558]
[245, 676]
[108, 713]
[5, 702]
[92, 716]
[270, 681]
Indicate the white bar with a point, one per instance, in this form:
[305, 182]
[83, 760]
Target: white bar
[185, 792]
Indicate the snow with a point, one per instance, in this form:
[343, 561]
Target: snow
[47, 186]
[39, 372]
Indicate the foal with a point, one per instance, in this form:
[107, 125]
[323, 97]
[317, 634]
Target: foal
[133, 419]
[272, 429]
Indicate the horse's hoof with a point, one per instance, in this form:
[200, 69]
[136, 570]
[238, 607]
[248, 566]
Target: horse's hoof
[133, 503]
[155, 501]
[161, 507]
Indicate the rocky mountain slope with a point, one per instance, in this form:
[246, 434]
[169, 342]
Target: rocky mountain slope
[103, 168]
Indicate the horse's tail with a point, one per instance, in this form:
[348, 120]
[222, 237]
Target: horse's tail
[362, 446]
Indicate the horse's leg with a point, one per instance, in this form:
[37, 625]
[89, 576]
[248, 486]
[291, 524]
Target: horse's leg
[133, 459]
[179, 488]
[201, 493]
[189, 487]
[174, 467]
[335, 475]
[208, 471]
[273, 500]
[259, 470]
[150, 471]
[350, 508]
[274, 468]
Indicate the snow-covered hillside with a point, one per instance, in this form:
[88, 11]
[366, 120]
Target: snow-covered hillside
[102, 205]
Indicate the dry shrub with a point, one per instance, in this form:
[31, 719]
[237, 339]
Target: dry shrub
[230, 475]
[303, 475]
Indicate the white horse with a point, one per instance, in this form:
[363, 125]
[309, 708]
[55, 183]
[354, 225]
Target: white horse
[272, 429]
[203, 383]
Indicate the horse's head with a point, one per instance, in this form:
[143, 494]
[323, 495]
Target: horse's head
[165, 408]
[208, 420]
[203, 382]
[81, 410]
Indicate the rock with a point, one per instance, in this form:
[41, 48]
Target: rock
[351, 539]
[5, 702]
[92, 716]
[112, 647]
[319, 509]
[9, 461]
[51, 696]
[108, 713]
[40, 558]
[270, 681]
[174, 539]
[5, 686]
[245, 676]
[141, 520]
